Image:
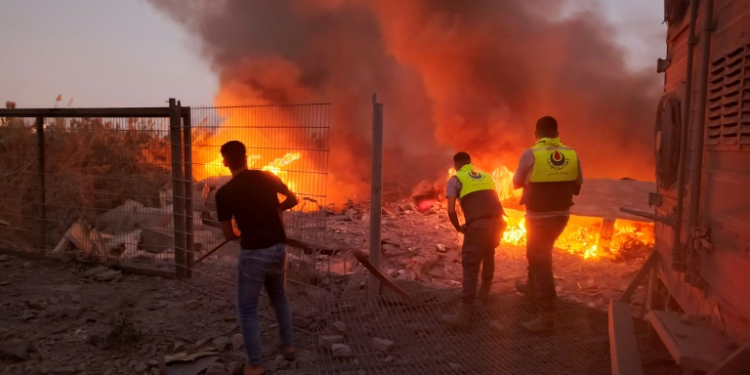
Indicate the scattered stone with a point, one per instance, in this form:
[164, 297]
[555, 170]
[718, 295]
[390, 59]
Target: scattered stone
[389, 359]
[3, 258]
[140, 367]
[36, 305]
[95, 271]
[454, 366]
[152, 362]
[237, 341]
[216, 369]
[327, 342]
[441, 248]
[347, 307]
[341, 351]
[361, 372]
[65, 370]
[498, 327]
[179, 345]
[220, 343]
[192, 305]
[26, 264]
[16, 350]
[382, 345]
[108, 275]
[339, 326]
[28, 315]
[5, 282]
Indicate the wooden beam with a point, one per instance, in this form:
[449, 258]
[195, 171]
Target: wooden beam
[642, 273]
[693, 343]
[623, 347]
[735, 364]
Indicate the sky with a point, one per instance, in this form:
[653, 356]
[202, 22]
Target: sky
[104, 53]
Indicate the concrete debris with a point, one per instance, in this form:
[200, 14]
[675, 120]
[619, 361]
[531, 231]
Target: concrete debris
[382, 345]
[454, 366]
[65, 370]
[328, 341]
[341, 351]
[339, 326]
[140, 367]
[15, 350]
[389, 359]
[216, 369]
[441, 248]
[95, 271]
[156, 240]
[26, 264]
[498, 327]
[4, 258]
[109, 275]
[221, 343]
[237, 341]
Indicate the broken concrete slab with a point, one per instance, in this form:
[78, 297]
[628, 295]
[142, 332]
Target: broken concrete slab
[328, 341]
[95, 271]
[191, 368]
[220, 343]
[341, 351]
[382, 345]
[156, 240]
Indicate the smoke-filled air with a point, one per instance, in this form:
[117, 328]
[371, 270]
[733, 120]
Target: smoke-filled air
[453, 76]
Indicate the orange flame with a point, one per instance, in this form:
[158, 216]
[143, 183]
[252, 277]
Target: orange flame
[581, 236]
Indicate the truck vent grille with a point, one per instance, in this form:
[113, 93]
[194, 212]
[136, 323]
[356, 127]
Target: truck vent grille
[728, 112]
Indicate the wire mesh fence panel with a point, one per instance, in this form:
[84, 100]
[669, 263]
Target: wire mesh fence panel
[387, 335]
[289, 141]
[102, 184]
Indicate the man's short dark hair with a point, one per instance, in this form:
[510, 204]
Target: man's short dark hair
[234, 154]
[547, 126]
[462, 158]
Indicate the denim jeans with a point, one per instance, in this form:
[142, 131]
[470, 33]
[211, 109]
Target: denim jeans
[481, 239]
[541, 235]
[256, 269]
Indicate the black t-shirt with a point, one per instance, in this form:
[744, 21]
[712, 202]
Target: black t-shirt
[251, 198]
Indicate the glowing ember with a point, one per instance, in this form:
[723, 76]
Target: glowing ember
[581, 236]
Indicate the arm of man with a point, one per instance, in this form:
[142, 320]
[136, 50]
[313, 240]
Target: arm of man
[290, 199]
[224, 213]
[579, 181]
[452, 191]
[524, 168]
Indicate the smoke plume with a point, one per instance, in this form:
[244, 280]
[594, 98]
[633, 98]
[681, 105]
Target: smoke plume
[453, 75]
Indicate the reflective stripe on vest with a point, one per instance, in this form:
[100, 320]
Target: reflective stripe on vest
[473, 181]
[553, 162]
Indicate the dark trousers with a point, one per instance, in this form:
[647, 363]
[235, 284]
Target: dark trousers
[481, 239]
[541, 235]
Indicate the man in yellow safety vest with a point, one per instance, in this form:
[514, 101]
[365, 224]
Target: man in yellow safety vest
[550, 175]
[482, 231]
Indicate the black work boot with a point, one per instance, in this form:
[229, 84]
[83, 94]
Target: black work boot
[483, 295]
[461, 319]
[527, 288]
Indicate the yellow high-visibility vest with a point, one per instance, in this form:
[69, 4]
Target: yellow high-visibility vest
[473, 180]
[553, 162]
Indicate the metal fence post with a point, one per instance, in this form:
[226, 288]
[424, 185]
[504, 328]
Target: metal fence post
[178, 189]
[187, 138]
[376, 193]
[42, 186]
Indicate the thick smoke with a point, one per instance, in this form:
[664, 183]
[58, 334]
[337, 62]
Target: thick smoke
[454, 75]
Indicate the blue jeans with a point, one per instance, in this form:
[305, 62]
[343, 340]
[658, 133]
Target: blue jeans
[255, 269]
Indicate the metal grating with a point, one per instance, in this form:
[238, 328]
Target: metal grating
[424, 346]
[728, 115]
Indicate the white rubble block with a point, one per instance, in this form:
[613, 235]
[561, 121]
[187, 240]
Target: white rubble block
[341, 351]
[328, 341]
[383, 345]
[155, 240]
[108, 275]
[95, 271]
[441, 248]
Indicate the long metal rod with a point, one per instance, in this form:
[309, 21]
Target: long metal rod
[376, 194]
[178, 190]
[187, 138]
[699, 153]
[42, 185]
[678, 248]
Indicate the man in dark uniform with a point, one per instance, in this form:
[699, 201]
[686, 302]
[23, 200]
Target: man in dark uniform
[251, 199]
[483, 230]
[550, 174]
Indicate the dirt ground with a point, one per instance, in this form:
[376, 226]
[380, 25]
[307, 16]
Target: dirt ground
[64, 318]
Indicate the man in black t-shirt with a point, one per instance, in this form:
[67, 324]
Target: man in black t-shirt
[251, 199]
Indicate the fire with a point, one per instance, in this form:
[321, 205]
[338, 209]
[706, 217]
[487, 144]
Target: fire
[581, 235]
[217, 168]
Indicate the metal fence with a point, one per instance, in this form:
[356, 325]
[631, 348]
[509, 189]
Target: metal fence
[134, 187]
